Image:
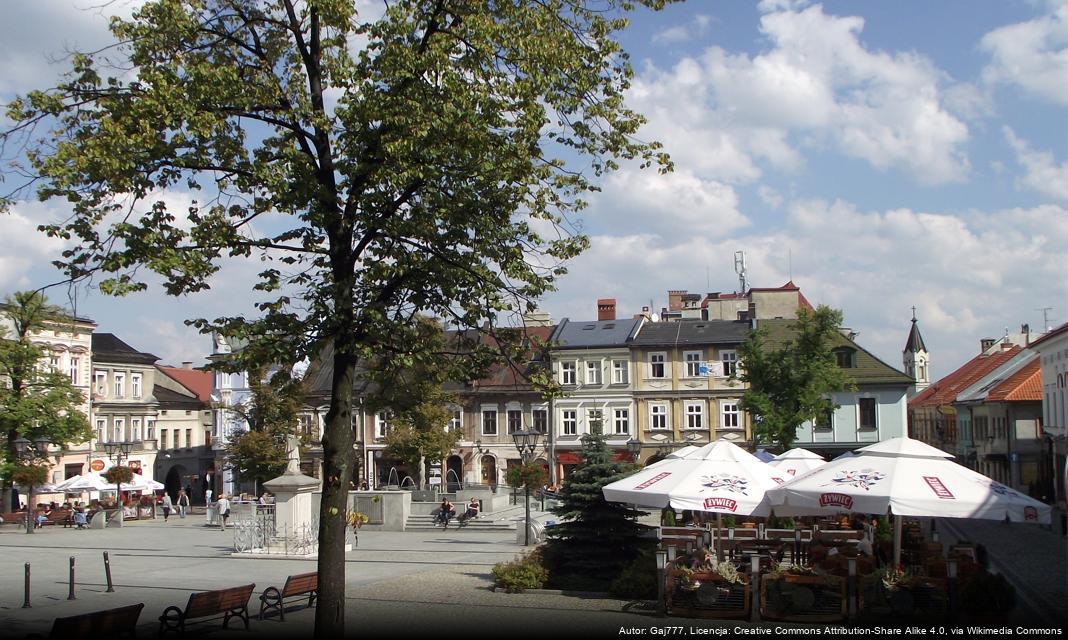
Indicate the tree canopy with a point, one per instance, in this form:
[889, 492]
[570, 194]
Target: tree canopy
[791, 383]
[272, 414]
[428, 159]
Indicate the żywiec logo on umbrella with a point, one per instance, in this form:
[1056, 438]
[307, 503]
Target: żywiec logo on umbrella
[836, 500]
[863, 479]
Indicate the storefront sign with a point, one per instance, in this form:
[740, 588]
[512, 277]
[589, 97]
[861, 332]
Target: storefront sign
[97, 465]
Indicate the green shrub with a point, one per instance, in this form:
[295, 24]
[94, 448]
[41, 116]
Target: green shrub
[525, 572]
[638, 580]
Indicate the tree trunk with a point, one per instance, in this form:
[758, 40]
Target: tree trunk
[10, 499]
[338, 460]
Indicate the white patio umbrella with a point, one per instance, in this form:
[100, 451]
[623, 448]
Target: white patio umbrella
[97, 482]
[763, 455]
[797, 461]
[904, 477]
[720, 477]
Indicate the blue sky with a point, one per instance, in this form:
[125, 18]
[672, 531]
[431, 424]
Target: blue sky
[882, 154]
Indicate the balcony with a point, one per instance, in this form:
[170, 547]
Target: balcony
[137, 447]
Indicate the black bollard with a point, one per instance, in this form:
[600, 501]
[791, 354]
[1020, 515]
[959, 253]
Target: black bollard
[26, 602]
[107, 571]
[71, 595]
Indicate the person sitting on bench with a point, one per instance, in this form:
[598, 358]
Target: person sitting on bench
[80, 521]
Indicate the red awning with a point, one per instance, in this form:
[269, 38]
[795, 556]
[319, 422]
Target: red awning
[621, 456]
[568, 457]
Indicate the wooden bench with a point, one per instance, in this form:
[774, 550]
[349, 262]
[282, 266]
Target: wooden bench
[97, 624]
[297, 585]
[229, 602]
[58, 516]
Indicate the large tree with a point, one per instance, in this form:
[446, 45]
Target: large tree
[790, 381]
[35, 401]
[428, 159]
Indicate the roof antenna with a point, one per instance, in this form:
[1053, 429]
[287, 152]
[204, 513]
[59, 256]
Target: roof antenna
[739, 268]
[1045, 319]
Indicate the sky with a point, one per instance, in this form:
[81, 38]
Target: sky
[882, 155]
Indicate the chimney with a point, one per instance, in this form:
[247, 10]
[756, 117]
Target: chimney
[985, 344]
[675, 299]
[187, 365]
[606, 309]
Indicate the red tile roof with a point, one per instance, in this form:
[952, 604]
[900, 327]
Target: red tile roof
[945, 390]
[1023, 386]
[199, 382]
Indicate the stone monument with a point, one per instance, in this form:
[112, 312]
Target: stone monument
[293, 496]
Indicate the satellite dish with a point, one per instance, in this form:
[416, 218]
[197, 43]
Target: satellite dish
[656, 317]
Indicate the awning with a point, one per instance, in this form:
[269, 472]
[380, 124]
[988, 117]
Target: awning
[568, 457]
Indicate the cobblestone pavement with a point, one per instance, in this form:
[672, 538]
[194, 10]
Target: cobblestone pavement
[1033, 558]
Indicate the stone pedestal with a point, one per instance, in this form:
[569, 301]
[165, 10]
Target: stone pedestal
[292, 501]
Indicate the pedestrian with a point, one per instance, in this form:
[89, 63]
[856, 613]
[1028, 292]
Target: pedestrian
[183, 502]
[224, 510]
[167, 506]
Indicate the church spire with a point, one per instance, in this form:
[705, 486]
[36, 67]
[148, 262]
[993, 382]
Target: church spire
[915, 356]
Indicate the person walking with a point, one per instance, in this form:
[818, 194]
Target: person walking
[224, 510]
[183, 502]
[167, 506]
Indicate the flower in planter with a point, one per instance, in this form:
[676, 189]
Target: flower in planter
[119, 475]
[895, 578]
[356, 519]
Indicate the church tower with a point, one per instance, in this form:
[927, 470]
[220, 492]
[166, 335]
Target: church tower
[916, 359]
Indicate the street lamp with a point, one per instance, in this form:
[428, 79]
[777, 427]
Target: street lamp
[527, 443]
[634, 446]
[27, 452]
[117, 451]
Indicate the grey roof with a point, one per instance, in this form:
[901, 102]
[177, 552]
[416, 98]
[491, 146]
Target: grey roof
[594, 333]
[168, 398]
[107, 347]
[691, 332]
[915, 341]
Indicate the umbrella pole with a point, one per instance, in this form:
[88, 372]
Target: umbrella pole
[897, 540]
[719, 538]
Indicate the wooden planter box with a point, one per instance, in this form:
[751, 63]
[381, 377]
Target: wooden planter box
[802, 598]
[715, 598]
[926, 599]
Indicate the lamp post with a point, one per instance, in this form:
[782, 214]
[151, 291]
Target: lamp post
[28, 452]
[634, 446]
[118, 451]
[527, 443]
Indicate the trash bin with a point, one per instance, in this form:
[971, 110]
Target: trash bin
[537, 533]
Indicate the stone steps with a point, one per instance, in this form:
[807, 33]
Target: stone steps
[428, 523]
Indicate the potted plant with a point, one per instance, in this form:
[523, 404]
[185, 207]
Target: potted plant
[356, 520]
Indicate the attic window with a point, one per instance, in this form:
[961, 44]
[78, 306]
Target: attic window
[845, 358]
[610, 325]
[589, 327]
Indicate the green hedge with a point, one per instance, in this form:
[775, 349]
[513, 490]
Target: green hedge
[525, 572]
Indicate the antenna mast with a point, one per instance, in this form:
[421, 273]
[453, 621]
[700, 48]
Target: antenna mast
[739, 268]
[1045, 319]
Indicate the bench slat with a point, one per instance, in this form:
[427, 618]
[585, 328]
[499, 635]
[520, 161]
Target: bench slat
[207, 603]
[110, 621]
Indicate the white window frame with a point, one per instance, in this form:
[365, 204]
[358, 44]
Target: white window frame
[569, 422]
[569, 372]
[860, 413]
[594, 414]
[135, 386]
[693, 360]
[120, 384]
[100, 383]
[691, 414]
[163, 444]
[496, 421]
[381, 424]
[729, 358]
[658, 358]
[653, 414]
[55, 362]
[729, 411]
[544, 412]
[135, 429]
[75, 373]
[118, 428]
[511, 413]
[150, 429]
[101, 430]
[620, 372]
[456, 422]
[593, 372]
[621, 420]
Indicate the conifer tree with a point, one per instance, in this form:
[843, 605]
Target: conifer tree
[596, 538]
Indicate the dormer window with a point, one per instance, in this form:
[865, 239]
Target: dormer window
[845, 358]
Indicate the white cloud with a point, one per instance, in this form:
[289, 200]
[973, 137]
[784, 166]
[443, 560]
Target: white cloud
[674, 203]
[1032, 55]
[722, 113]
[671, 35]
[1043, 175]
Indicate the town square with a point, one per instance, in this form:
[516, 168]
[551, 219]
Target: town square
[578, 318]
